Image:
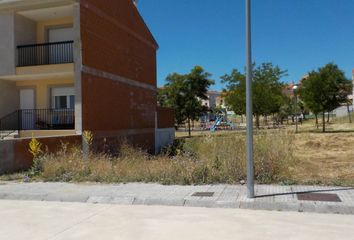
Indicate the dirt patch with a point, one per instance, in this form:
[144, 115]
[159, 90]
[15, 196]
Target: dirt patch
[324, 158]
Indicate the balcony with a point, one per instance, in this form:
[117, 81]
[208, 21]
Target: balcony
[38, 119]
[45, 54]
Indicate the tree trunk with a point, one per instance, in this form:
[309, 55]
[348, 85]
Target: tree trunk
[257, 121]
[241, 118]
[189, 127]
[349, 115]
[316, 121]
[323, 122]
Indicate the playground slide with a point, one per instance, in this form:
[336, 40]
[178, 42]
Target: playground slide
[217, 123]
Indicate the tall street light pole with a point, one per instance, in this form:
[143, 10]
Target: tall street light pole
[249, 110]
[296, 115]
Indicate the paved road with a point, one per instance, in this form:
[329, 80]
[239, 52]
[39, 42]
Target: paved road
[269, 197]
[65, 221]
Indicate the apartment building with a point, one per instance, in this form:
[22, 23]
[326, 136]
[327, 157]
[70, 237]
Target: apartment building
[215, 99]
[67, 66]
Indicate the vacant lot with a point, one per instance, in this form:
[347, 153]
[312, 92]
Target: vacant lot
[326, 158]
[320, 158]
[281, 156]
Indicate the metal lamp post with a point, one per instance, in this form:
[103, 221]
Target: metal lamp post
[296, 116]
[249, 110]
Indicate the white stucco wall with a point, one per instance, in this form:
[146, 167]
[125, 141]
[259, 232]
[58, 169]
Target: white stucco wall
[163, 138]
[7, 43]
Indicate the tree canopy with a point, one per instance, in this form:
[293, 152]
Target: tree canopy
[266, 91]
[184, 92]
[324, 90]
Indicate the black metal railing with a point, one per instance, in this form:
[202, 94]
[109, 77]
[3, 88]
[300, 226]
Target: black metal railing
[45, 53]
[38, 119]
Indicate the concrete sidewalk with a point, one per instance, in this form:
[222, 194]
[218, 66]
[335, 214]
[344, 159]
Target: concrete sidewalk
[32, 220]
[269, 197]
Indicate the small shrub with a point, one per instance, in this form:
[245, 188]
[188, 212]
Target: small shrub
[35, 148]
[176, 148]
[87, 137]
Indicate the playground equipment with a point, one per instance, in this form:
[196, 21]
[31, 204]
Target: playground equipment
[220, 123]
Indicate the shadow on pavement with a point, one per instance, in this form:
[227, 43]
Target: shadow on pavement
[303, 192]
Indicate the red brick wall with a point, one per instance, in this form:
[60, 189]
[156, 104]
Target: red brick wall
[165, 117]
[116, 41]
[15, 155]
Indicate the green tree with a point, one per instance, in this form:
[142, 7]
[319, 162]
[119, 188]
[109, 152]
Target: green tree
[324, 90]
[172, 95]
[184, 92]
[235, 92]
[287, 109]
[267, 90]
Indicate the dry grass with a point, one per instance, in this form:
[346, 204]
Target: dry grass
[281, 156]
[212, 158]
[324, 158]
[132, 165]
[225, 155]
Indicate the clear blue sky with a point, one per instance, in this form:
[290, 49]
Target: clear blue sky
[297, 35]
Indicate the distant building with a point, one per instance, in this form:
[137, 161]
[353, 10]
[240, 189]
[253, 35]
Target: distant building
[288, 90]
[215, 99]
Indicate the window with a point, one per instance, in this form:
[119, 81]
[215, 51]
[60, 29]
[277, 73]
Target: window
[72, 102]
[63, 98]
[60, 102]
[60, 34]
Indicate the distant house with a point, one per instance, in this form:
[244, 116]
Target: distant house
[288, 90]
[215, 99]
[68, 66]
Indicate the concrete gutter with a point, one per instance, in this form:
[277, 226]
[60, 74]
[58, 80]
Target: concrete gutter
[269, 197]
